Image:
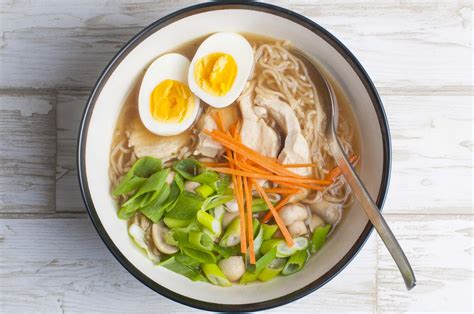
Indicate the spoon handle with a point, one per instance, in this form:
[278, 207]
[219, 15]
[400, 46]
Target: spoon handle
[374, 214]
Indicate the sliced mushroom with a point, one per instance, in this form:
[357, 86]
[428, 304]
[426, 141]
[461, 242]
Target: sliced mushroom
[298, 228]
[293, 212]
[315, 222]
[329, 212]
[232, 267]
[158, 232]
[190, 186]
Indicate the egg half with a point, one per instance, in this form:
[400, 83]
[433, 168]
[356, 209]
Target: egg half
[165, 102]
[220, 68]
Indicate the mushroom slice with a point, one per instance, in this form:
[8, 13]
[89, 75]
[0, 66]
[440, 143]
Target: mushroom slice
[158, 232]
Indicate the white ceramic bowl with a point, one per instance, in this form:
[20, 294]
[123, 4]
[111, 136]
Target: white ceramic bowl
[108, 96]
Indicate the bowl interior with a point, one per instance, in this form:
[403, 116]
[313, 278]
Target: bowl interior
[115, 89]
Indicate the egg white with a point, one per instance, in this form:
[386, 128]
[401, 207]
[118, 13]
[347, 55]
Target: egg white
[236, 46]
[171, 66]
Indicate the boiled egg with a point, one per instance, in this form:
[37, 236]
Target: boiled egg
[165, 103]
[220, 68]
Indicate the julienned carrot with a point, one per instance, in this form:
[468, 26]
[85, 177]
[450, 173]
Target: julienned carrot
[283, 190]
[300, 185]
[248, 203]
[270, 177]
[336, 172]
[218, 120]
[238, 192]
[249, 153]
[299, 165]
[278, 206]
[281, 225]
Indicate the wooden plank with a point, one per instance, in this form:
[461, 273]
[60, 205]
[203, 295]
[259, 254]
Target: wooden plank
[432, 154]
[440, 250]
[69, 113]
[409, 45]
[27, 152]
[67, 268]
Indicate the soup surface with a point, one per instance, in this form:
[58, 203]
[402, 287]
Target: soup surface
[248, 191]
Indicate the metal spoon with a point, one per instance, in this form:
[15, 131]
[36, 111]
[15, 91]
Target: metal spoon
[328, 98]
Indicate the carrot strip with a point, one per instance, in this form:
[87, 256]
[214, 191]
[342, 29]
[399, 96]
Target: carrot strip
[336, 171]
[283, 190]
[278, 206]
[301, 185]
[217, 117]
[248, 203]
[240, 203]
[281, 225]
[299, 165]
[270, 177]
[249, 153]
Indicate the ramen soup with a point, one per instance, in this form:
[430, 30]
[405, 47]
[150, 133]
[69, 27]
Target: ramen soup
[220, 165]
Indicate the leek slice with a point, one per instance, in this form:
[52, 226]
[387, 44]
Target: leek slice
[272, 270]
[136, 176]
[156, 209]
[201, 256]
[269, 231]
[208, 221]
[204, 190]
[231, 235]
[283, 250]
[176, 265]
[319, 237]
[215, 275]
[295, 263]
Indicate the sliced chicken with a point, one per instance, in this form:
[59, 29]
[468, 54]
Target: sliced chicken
[255, 133]
[146, 143]
[296, 148]
[206, 146]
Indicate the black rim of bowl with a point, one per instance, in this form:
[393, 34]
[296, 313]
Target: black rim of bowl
[137, 39]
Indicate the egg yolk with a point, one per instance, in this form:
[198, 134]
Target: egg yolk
[170, 101]
[215, 73]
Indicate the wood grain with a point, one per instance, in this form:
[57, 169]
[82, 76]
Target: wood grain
[408, 45]
[27, 152]
[65, 267]
[440, 249]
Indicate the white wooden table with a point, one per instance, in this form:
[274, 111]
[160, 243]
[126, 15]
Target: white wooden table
[419, 54]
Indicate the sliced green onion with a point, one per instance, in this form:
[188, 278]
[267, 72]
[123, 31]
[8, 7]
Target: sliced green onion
[156, 209]
[257, 242]
[154, 183]
[176, 223]
[272, 270]
[283, 250]
[259, 205]
[200, 241]
[231, 235]
[319, 237]
[136, 176]
[186, 206]
[295, 263]
[269, 231]
[190, 271]
[216, 200]
[265, 260]
[208, 221]
[204, 190]
[201, 256]
[219, 213]
[215, 275]
[248, 277]
[226, 252]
